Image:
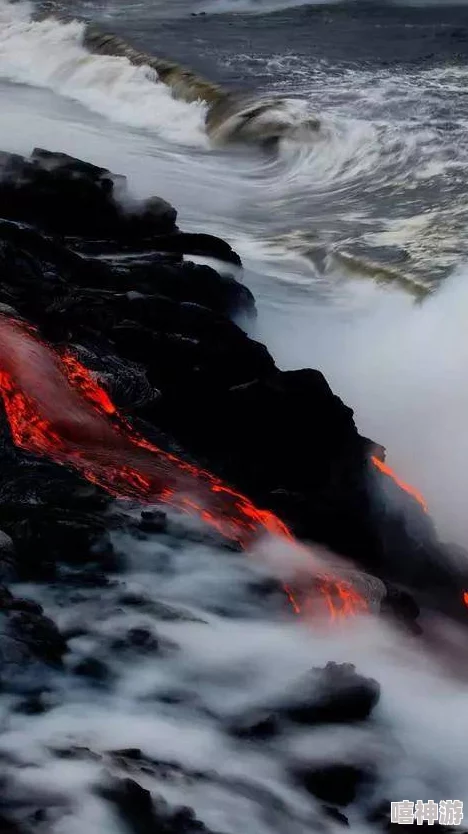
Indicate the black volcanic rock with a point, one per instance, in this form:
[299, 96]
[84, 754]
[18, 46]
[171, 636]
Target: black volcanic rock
[156, 331]
[27, 637]
[334, 783]
[68, 278]
[79, 201]
[143, 815]
[70, 197]
[335, 694]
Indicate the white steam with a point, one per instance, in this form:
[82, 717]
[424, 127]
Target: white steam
[222, 662]
[403, 367]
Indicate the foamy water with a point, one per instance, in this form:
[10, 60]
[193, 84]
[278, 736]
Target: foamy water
[50, 54]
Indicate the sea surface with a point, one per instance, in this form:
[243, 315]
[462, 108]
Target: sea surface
[354, 242]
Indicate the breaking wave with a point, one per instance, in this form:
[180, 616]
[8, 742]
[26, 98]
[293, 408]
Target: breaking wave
[50, 54]
[346, 144]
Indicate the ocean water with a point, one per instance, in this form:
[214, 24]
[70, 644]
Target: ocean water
[354, 243]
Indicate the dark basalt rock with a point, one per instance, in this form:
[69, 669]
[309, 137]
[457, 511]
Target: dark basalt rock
[335, 783]
[27, 637]
[156, 330]
[70, 197]
[158, 333]
[143, 815]
[48, 536]
[68, 278]
[336, 694]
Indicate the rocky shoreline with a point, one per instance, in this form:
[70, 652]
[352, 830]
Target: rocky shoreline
[112, 281]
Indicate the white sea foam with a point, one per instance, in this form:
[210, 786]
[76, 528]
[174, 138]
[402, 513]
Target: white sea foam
[50, 54]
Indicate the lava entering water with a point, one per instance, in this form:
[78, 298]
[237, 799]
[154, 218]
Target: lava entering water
[56, 408]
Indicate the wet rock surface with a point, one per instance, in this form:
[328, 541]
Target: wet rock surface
[111, 280]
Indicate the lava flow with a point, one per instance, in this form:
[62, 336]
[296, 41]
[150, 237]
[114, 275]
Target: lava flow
[56, 408]
[404, 486]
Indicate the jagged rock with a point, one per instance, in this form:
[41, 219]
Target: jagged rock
[201, 245]
[58, 270]
[201, 384]
[143, 815]
[50, 537]
[70, 197]
[336, 694]
[27, 637]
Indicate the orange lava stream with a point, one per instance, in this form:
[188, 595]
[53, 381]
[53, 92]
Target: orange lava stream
[406, 487]
[55, 407]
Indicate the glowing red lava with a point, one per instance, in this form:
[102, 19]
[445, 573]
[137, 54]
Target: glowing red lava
[56, 408]
[406, 487]
[465, 598]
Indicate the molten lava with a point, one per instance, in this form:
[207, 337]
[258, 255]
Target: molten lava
[56, 408]
[406, 487]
